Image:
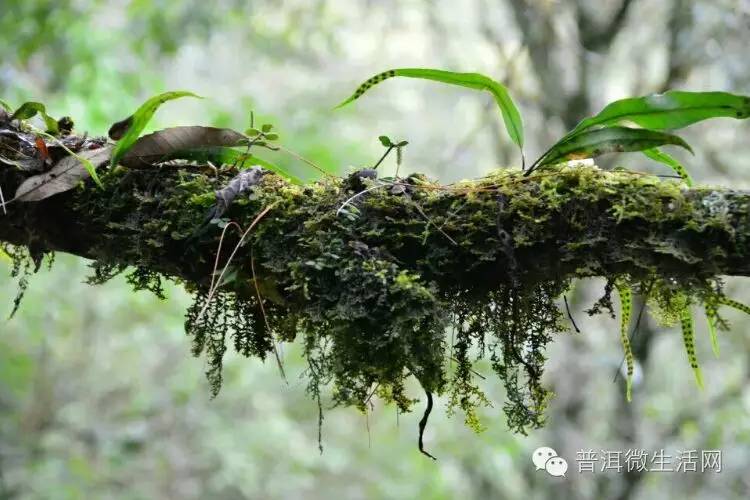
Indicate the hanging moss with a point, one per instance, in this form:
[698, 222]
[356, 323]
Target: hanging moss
[24, 264]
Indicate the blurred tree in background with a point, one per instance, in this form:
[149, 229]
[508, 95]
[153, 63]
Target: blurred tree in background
[99, 397]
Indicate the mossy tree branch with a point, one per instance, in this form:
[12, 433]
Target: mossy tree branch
[370, 285]
[574, 222]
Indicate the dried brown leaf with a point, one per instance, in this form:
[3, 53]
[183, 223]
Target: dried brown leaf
[163, 144]
[65, 175]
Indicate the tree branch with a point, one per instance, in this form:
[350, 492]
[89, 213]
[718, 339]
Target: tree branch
[564, 222]
[372, 284]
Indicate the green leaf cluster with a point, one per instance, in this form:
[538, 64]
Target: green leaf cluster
[672, 110]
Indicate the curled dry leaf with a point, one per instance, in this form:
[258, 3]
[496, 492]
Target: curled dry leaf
[166, 144]
[65, 175]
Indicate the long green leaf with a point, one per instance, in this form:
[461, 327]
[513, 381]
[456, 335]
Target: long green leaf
[626, 306]
[671, 162]
[671, 110]
[477, 81]
[28, 110]
[688, 337]
[134, 124]
[5, 105]
[593, 143]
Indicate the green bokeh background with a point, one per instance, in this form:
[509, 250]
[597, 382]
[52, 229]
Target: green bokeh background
[99, 396]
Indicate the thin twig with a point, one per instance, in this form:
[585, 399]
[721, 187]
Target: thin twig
[359, 194]
[218, 255]
[265, 317]
[367, 400]
[429, 221]
[387, 152]
[316, 379]
[668, 176]
[472, 370]
[304, 160]
[570, 316]
[212, 288]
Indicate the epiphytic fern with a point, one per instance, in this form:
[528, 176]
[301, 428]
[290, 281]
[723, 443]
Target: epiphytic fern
[626, 306]
[688, 337]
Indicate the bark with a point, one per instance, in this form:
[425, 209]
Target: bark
[562, 223]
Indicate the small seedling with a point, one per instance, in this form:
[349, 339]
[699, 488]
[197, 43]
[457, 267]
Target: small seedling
[390, 146]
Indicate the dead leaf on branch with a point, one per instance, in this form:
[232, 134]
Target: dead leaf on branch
[164, 144]
[65, 175]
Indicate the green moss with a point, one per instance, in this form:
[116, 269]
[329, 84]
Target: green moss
[372, 290]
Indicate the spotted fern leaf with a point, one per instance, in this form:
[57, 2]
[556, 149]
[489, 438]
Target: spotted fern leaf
[508, 110]
[688, 337]
[733, 303]
[711, 319]
[712, 316]
[626, 306]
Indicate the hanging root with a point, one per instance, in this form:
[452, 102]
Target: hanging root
[423, 424]
[570, 315]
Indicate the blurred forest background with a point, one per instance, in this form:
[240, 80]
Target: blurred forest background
[99, 396]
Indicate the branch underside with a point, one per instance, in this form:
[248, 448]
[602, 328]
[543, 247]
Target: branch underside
[369, 274]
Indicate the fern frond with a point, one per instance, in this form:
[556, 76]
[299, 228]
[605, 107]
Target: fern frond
[688, 337]
[626, 306]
